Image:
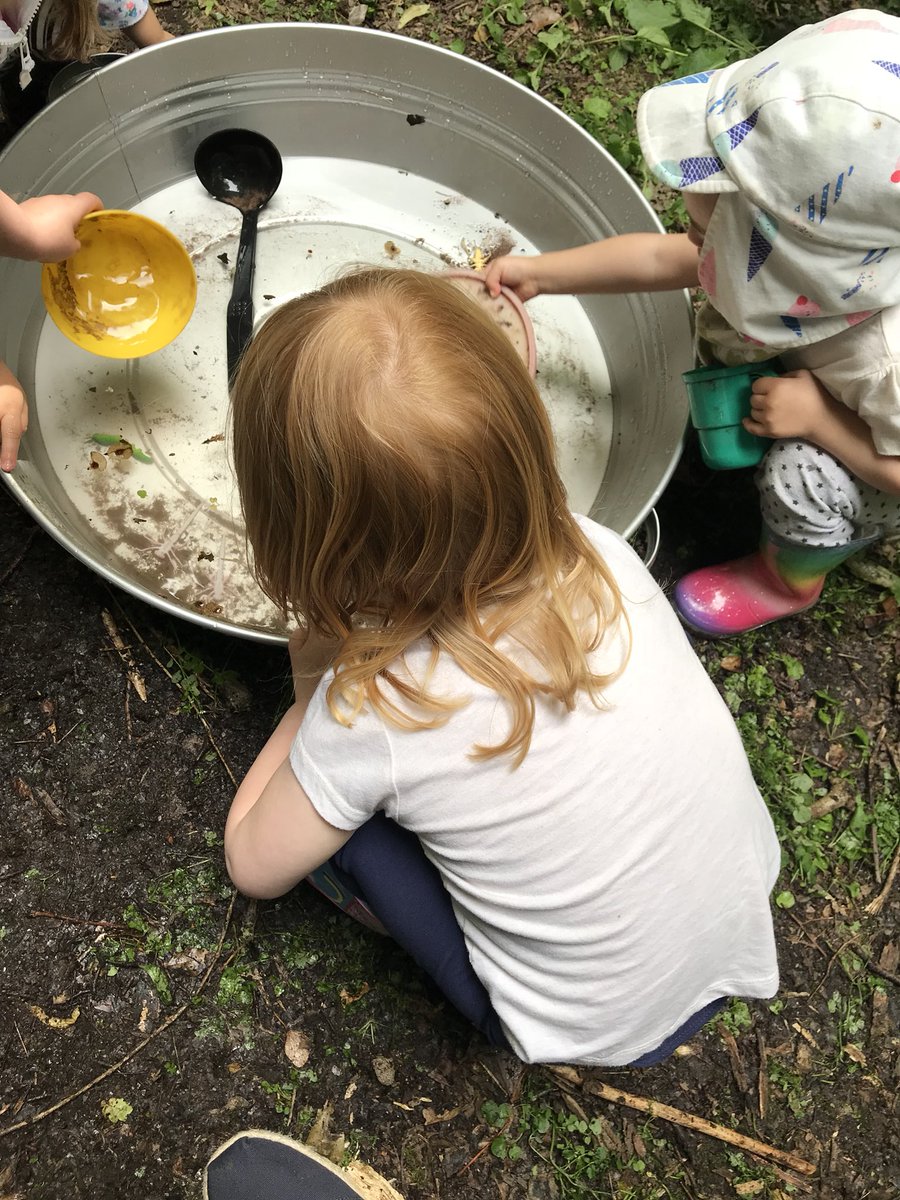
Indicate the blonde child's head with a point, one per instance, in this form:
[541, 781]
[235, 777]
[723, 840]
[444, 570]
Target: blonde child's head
[73, 32]
[397, 474]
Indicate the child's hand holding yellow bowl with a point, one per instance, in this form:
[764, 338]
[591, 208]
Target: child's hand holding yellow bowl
[127, 292]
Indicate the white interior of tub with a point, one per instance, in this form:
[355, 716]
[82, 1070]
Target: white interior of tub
[174, 522]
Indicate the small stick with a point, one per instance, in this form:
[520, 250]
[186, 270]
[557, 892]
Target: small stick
[68, 920]
[125, 654]
[875, 906]
[688, 1121]
[880, 971]
[203, 721]
[763, 1079]
[18, 559]
[57, 816]
[876, 853]
[170, 1020]
[737, 1066]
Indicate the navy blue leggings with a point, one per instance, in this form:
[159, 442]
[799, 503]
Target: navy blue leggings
[386, 867]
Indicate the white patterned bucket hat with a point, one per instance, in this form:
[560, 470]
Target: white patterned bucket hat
[802, 145]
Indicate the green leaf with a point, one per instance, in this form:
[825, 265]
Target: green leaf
[597, 107]
[652, 33]
[704, 58]
[802, 782]
[785, 900]
[694, 13]
[617, 58]
[650, 14]
[458, 46]
[158, 978]
[553, 38]
[116, 1110]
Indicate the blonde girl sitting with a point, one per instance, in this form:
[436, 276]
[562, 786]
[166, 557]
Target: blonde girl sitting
[39, 37]
[502, 743]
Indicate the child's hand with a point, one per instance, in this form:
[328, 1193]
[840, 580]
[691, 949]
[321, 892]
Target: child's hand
[791, 405]
[13, 418]
[516, 272]
[44, 228]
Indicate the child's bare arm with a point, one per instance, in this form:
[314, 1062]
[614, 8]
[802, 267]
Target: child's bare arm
[147, 31]
[43, 228]
[631, 262]
[797, 405]
[13, 417]
[273, 836]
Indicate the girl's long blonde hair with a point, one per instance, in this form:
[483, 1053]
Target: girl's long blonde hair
[397, 474]
[73, 31]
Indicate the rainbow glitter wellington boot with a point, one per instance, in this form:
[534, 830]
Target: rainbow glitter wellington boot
[781, 579]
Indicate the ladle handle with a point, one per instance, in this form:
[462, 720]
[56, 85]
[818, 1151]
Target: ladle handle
[239, 320]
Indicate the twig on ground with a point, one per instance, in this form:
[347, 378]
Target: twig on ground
[199, 715]
[16, 562]
[169, 1021]
[876, 853]
[734, 1055]
[134, 676]
[881, 972]
[875, 906]
[677, 1116]
[763, 1078]
[69, 920]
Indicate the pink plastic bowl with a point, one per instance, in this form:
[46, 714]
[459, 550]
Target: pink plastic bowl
[507, 310]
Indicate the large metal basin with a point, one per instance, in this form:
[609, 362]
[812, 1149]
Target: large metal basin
[324, 94]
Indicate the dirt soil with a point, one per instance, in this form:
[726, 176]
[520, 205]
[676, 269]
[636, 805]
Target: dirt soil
[144, 1009]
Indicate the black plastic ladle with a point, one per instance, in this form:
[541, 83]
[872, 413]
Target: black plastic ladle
[241, 168]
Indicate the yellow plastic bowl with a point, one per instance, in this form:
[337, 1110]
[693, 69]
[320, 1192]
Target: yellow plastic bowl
[128, 291]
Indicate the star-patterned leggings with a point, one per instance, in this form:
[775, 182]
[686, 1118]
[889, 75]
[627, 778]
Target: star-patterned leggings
[809, 498]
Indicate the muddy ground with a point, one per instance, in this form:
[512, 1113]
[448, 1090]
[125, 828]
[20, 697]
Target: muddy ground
[144, 1009]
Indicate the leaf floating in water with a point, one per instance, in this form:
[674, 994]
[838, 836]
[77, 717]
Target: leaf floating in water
[97, 462]
[120, 447]
[223, 259]
[391, 249]
[216, 437]
[142, 492]
[415, 119]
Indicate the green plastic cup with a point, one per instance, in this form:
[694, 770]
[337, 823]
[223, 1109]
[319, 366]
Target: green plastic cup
[720, 399]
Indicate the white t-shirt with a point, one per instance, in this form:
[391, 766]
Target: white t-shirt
[613, 884]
